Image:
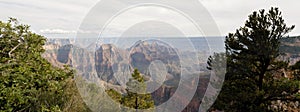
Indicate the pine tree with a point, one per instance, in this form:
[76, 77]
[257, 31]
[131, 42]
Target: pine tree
[135, 96]
[251, 61]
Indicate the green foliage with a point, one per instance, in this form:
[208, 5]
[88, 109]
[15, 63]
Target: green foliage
[135, 96]
[94, 96]
[217, 66]
[296, 70]
[250, 83]
[137, 76]
[72, 101]
[114, 95]
[28, 82]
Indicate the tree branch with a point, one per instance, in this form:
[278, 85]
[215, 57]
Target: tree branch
[9, 53]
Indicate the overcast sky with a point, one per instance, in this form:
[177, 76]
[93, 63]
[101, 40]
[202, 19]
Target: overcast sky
[61, 18]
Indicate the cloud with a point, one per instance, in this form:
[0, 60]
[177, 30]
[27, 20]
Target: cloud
[47, 14]
[231, 14]
[55, 16]
[14, 4]
[57, 31]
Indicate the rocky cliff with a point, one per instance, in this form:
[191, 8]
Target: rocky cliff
[290, 49]
[68, 54]
[113, 66]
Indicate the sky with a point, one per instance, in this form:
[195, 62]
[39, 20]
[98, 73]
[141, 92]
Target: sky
[62, 18]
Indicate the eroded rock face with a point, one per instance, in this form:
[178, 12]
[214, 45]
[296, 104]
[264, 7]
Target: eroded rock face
[143, 53]
[51, 54]
[113, 66]
[63, 55]
[108, 60]
[84, 62]
[76, 57]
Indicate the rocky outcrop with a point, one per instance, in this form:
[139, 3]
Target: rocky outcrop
[60, 42]
[290, 50]
[78, 58]
[64, 54]
[143, 53]
[113, 66]
[51, 54]
[108, 60]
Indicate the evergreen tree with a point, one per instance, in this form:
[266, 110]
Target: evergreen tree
[135, 96]
[28, 82]
[250, 83]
